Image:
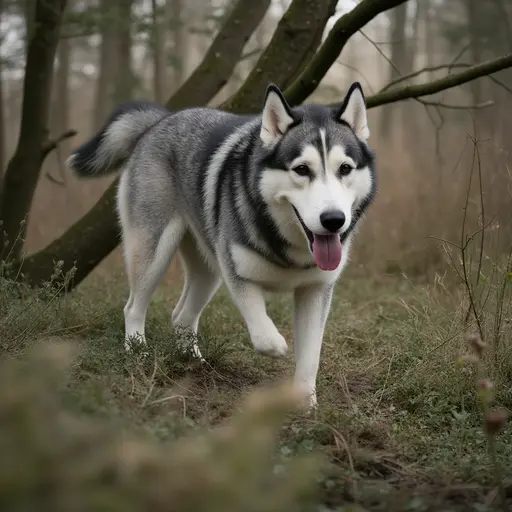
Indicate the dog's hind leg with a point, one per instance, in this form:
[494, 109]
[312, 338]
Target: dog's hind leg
[201, 284]
[148, 255]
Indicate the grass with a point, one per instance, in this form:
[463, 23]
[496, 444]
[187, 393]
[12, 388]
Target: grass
[399, 426]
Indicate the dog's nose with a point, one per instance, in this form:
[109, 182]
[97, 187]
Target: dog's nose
[332, 220]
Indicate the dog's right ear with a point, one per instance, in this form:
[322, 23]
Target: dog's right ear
[277, 116]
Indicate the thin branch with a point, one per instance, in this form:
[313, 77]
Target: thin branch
[382, 54]
[52, 144]
[250, 54]
[462, 51]
[360, 73]
[427, 103]
[428, 69]
[428, 88]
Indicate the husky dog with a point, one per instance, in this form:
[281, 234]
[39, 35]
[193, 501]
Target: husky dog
[262, 203]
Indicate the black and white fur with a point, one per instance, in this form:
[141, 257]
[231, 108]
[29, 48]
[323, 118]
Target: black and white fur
[247, 200]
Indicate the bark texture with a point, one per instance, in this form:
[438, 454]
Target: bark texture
[23, 169]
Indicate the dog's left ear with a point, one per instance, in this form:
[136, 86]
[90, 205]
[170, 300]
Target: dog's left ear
[353, 111]
[277, 116]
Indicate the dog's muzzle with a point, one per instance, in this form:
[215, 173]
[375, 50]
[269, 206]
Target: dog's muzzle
[326, 249]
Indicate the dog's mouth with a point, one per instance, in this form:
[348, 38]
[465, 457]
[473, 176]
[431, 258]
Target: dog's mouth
[326, 249]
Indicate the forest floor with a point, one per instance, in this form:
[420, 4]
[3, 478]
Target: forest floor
[399, 424]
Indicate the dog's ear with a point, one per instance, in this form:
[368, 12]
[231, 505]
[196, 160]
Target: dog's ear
[353, 111]
[277, 116]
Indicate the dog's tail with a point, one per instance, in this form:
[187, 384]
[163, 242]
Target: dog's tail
[112, 145]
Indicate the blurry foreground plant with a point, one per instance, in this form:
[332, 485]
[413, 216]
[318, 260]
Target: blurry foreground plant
[50, 460]
[493, 419]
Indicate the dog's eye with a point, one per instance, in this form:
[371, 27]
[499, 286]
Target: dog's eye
[345, 169]
[302, 170]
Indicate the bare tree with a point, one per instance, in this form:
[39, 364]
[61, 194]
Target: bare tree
[23, 169]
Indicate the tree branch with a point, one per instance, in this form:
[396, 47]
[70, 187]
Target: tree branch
[441, 104]
[222, 56]
[343, 30]
[52, 144]
[428, 88]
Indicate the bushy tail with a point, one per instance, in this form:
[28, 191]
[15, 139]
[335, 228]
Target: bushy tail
[112, 145]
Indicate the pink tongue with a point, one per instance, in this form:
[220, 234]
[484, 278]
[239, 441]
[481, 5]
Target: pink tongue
[327, 251]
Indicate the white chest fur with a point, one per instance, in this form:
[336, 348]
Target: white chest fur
[253, 267]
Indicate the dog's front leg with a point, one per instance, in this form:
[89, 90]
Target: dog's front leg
[311, 309]
[249, 299]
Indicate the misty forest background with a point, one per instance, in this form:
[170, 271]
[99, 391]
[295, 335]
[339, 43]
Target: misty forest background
[415, 379]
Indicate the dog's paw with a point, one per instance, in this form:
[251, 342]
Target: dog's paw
[135, 344]
[270, 344]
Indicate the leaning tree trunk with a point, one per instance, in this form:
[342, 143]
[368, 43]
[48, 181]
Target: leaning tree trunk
[23, 170]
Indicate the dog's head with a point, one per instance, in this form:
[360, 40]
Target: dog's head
[318, 167]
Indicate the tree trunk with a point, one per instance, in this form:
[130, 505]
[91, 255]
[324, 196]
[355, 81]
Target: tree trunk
[23, 170]
[158, 50]
[62, 103]
[174, 18]
[107, 65]
[2, 116]
[125, 81]
[285, 56]
[398, 60]
[29, 12]
[222, 56]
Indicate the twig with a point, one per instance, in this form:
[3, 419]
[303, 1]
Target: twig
[462, 51]
[360, 73]
[386, 58]
[440, 104]
[52, 144]
[250, 54]
[414, 74]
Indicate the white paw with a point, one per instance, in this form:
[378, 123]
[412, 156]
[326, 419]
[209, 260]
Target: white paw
[308, 393]
[271, 344]
[188, 342]
[134, 342]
